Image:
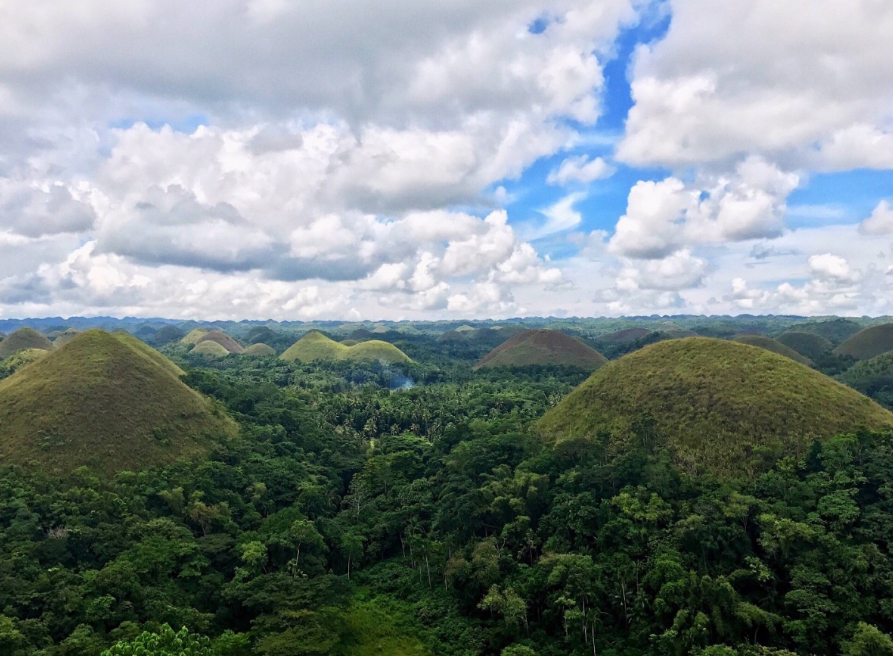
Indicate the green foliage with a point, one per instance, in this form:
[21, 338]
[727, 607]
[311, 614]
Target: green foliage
[873, 377]
[868, 343]
[721, 407]
[760, 341]
[543, 347]
[165, 642]
[868, 641]
[100, 403]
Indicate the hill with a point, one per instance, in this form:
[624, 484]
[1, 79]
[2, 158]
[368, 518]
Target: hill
[210, 349]
[147, 351]
[873, 378]
[192, 337]
[452, 336]
[316, 346]
[625, 335]
[542, 347]
[220, 337]
[809, 345]
[868, 343]
[166, 335]
[24, 338]
[763, 342]
[259, 350]
[19, 359]
[260, 335]
[834, 330]
[99, 403]
[65, 337]
[719, 406]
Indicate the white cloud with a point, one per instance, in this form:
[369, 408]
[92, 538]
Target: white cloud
[880, 222]
[580, 169]
[833, 268]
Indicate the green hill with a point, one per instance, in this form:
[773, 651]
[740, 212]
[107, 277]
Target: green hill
[259, 350]
[542, 347]
[166, 335]
[763, 342]
[868, 343]
[147, 351]
[261, 335]
[65, 337]
[192, 337]
[809, 345]
[719, 406]
[19, 359]
[99, 403]
[210, 350]
[24, 338]
[834, 330]
[220, 337]
[625, 335]
[452, 336]
[316, 346]
[873, 378]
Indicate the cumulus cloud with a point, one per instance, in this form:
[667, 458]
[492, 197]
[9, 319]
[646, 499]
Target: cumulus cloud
[580, 169]
[880, 222]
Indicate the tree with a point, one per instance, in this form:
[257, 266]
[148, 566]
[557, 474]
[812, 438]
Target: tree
[868, 640]
[165, 642]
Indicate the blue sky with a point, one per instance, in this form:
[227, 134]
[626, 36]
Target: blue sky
[446, 159]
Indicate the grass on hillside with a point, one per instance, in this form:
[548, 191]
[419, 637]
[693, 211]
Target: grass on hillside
[763, 342]
[147, 351]
[809, 345]
[834, 330]
[22, 339]
[65, 337]
[100, 403]
[259, 350]
[193, 336]
[220, 337]
[20, 359]
[211, 350]
[316, 346]
[625, 335]
[720, 406]
[868, 343]
[542, 347]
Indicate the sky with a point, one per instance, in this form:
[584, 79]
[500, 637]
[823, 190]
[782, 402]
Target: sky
[342, 159]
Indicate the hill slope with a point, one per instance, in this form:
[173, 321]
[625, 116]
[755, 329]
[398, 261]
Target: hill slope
[259, 350]
[148, 352]
[316, 346]
[65, 337]
[809, 345]
[763, 342]
[720, 406]
[192, 337]
[97, 402]
[24, 338]
[209, 349]
[868, 343]
[542, 347]
[220, 337]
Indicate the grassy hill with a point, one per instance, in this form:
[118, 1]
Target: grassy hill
[22, 339]
[452, 336]
[210, 349]
[220, 337]
[625, 335]
[720, 406]
[19, 359]
[868, 343]
[542, 347]
[193, 336]
[100, 403]
[259, 350]
[65, 337]
[834, 330]
[809, 345]
[316, 346]
[147, 351]
[763, 342]
[166, 335]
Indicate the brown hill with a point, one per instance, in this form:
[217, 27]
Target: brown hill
[542, 347]
[220, 337]
[24, 338]
[868, 343]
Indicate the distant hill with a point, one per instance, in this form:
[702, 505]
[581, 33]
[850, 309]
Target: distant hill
[19, 359]
[147, 351]
[65, 337]
[260, 335]
[834, 330]
[542, 347]
[100, 403]
[166, 335]
[873, 377]
[192, 337]
[625, 335]
[763, 342]
[220, 337]
[22, 339]
[868, 343]
[453, 336]
[316, 346]
[809, 345]
[259, 350]
[210, 350]
[721, 407]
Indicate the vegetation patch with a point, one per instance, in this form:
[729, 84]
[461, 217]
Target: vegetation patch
[834, 330]
[220, 337]
[259, 350]
[100, 403]
[626, 335]
[809, 345]
[65, 337]
[166, 335]
[22, 339]
[763, 342]
[721, 407]
[868, 343]
[316, 346]
[192, 337]
[147, 351]
[543, 347]
[210, 350]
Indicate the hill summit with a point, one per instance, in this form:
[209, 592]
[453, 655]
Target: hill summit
[719, 406]
[24, 338]
[316, 346]
[868, 343]
[542, 347]
[100, 402]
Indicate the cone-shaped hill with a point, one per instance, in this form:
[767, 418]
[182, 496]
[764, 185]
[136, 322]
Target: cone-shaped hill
[316, 346]
[192, 337]
[166, 335]
[809, 345]
[24, 338]
[763, 342]
[542, 347]
[626, 335]
[259, 350]
[100, 403]
[210, 350]
[719, 406]
[65, 337]
[220, 337]
[865, 344]
[148, 352]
